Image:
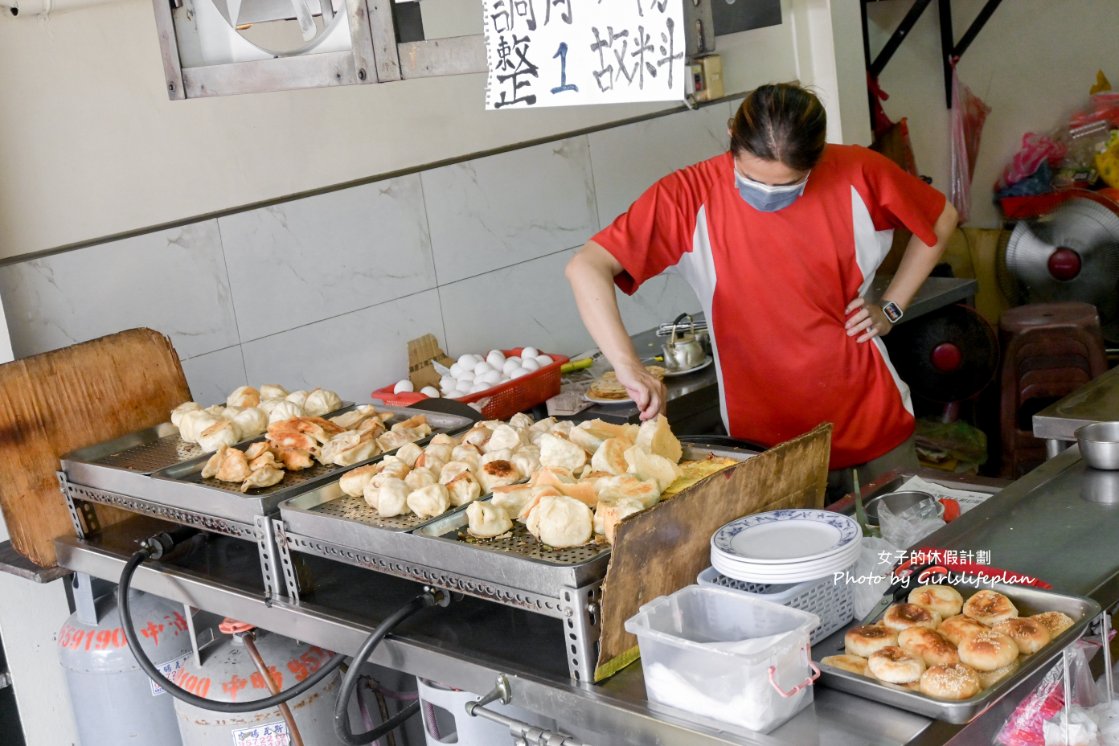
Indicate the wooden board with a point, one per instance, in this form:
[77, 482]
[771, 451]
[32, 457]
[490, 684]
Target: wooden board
[53, 403]
[661, 550]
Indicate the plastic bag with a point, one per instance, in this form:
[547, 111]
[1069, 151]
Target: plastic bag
[1026, 725]
[906, 528]
[1035, 152]
[967, 117]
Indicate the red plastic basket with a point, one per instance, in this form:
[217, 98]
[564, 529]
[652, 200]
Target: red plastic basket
[503, 400]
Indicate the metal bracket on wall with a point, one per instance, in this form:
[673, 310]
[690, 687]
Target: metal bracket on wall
[226, 47]
[950, 50]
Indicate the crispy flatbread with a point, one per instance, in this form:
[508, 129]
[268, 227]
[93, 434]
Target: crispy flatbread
[606, 386]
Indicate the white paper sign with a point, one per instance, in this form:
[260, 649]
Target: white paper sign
[569, 52]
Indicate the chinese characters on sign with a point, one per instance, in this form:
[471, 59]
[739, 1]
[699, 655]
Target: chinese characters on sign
[568, 52]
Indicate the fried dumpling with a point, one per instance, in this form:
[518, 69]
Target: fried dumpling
[394, 439]
[298, 398]
[503, 437]
[272, 391]
[390, 498]
[228, 465]
[420, 477]
[321, 401]
[251, 422]
[526, 459]
[521, 421]
[350, 420]
[257, 449]
[409, 453]
[261, 478]
[611, 456]
[393, 467]
[353, 482]
[557, 451]
[430, 501]
[477, 436]
[512, 497]
[363, 450]
[265, 459]
[285, 410]
[192, 423]
[442, 439]
[560, 521]
[486, 520]
[178, 412]
[219, 434]
[243, 396]
[452, 469]
[294, 459]
[655, 437]
[466, 454]
[647, 465]
[497, 474]
[463, 489]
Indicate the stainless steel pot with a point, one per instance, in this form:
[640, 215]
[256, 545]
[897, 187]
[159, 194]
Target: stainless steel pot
[683, 351]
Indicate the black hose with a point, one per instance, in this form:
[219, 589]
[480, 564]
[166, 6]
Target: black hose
[349, 683]
[178, 692]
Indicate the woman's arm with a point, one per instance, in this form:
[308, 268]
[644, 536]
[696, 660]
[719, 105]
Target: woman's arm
[916, 264]
[591, 274]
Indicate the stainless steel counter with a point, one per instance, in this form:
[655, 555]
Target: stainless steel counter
[1095, 401]
[1041, 525]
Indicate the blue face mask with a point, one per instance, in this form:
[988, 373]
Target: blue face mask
[768, 198]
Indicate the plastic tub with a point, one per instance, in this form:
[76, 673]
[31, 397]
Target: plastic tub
[720, 658]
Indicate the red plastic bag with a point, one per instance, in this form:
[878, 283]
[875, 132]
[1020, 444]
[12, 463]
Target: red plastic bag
[967, 117]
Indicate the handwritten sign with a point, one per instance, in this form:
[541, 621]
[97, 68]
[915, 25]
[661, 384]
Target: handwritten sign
[569, 52]
[269, 734]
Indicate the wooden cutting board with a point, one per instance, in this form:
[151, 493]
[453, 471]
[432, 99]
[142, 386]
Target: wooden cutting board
[53, 403]
[661, 550]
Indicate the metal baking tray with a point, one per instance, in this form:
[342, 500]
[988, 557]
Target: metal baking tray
[182, 486]
[1028, 600]
[124, 463]
[328, 515]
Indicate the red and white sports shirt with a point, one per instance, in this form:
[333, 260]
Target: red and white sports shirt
[774, 286]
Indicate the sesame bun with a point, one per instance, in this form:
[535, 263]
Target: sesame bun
[950, 682]
[929, 646]
[943, 599]
[895, 666]
[869, 638]
[1029, 635]
[989, 607]
[988, 650]
[904, 616]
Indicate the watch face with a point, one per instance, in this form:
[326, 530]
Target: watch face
[893, 311]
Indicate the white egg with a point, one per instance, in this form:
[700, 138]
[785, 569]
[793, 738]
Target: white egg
[456, 368]
[491, 377]
[496, 359]
[510, 364]
[446, 381]
[544, 360]
[530, 364]
[464, 379]
[478, 387]
[430, 391]
[528, 352]
[402, 386]
[517, 373]
[481, 368]
[468, 361]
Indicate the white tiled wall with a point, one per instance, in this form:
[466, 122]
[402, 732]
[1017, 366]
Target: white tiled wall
[326, 291]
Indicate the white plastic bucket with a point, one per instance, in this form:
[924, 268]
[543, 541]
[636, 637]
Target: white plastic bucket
[446, 721]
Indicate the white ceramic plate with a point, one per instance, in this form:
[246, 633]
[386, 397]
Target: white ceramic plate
[783, 537]
[668, 373]
[825, 565]
[762, 575]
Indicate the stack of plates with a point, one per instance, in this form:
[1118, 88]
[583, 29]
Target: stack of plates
[786, 546]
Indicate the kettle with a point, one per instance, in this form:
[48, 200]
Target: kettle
[683, 351]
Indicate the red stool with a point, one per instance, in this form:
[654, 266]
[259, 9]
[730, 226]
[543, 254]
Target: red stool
[1049, 351]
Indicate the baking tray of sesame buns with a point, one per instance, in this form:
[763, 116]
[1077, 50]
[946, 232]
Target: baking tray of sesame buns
[950, 651]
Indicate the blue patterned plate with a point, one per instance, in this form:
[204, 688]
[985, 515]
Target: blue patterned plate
[782, 537]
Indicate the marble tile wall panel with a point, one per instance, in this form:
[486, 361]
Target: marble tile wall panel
[213, 376]
[526, 304]
[497, 211]
[628, 160]
[352, 354]
[173, 281]
[311, 259]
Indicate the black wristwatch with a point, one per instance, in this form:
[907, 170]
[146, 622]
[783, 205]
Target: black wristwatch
[893, 311]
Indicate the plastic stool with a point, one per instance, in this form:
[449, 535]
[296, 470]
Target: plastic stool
[1049, 351]
[447, 721]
